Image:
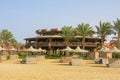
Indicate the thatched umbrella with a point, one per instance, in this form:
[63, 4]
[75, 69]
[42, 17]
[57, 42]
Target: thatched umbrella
[2, 49]
[67, 49]
[41, 50]
[78, 49]
[31, 49]
[104, 49]
[115, 49]
[13, 49]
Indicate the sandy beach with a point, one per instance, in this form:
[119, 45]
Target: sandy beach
[53, 70]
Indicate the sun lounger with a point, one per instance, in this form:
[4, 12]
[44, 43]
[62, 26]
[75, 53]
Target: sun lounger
[66, 59]
[114, 63]
[98, 61]
[76, 62]
[29, 60]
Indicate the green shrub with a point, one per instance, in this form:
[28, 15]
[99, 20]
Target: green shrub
[116, 55]
[87, 58]
[22, 55]
[8, 56]
[52, 56]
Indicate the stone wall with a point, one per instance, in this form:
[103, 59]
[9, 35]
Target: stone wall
[31, 60]
[13, 57]
[40, 57]
[3, 57]
[114, 63]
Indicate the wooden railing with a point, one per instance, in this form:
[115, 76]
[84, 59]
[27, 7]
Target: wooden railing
[89, 44]
[54, 44]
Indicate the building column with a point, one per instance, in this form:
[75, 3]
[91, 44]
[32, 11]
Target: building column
[49, 46]
[36, 43]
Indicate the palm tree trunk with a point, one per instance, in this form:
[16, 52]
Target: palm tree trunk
[119, 40]
[83, 42]
[49, 46]
[102, 40]
[66, 43]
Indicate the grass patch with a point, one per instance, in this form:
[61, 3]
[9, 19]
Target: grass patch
[116, 55]
[22, 55]
[52, 57]
[88, 58]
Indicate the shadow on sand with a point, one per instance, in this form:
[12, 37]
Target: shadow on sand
[64, 64]
[100, 66]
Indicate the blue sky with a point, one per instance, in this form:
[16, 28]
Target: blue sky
[23, 17]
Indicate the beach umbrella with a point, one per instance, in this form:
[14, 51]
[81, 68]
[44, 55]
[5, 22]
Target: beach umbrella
[104, 49]
[31, 49]
[2, 49]
[41, 50]
[78, 49]
[115, 49]
[13, 49]
[67, 49]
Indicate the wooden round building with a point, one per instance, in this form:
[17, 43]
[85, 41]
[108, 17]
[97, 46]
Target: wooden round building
[52, 41]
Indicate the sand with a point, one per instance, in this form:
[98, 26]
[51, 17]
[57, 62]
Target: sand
[53, 70]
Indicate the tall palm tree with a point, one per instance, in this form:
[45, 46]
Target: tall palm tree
[84, 30]
[103, 30]
[116, 27]
[14, 43]
[67, 33]
[6, 38]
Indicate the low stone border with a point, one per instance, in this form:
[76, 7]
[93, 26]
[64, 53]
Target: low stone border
[40, 57]
[3, 57]
[31, 60]
[105, 61]
[114, 63]
[13, 57]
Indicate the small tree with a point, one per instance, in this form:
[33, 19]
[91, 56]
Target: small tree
[84, 30]
[6, 38]
[67, 33]
[116, 27]
[104, 29]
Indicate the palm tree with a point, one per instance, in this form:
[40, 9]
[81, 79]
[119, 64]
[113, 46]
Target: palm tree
[6, 38]
[14, 43]
[67, 33]
[84, 30]
[116, 27]
[103, 30]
